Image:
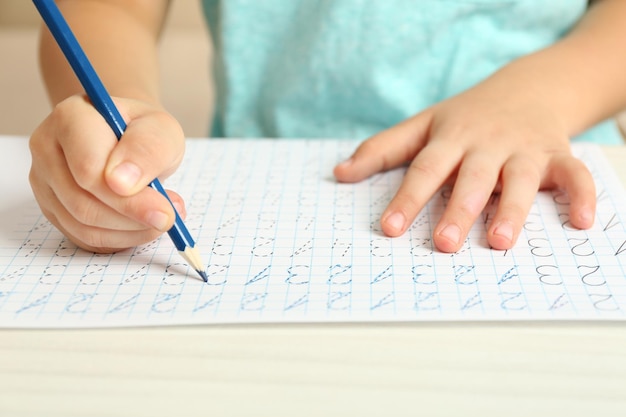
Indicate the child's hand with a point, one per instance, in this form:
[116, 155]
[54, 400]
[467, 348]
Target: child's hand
[94, 188]
[484, 140]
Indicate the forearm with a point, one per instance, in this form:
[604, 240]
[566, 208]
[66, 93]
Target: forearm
[582, 78]
[120, 39]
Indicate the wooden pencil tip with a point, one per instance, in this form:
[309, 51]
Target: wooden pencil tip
[203, 275]
[192, 256]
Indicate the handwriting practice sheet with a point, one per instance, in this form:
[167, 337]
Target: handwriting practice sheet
[284, 242]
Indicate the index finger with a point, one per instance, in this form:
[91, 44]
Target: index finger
[426, 174]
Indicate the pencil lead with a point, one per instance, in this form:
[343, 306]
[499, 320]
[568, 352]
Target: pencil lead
[203, 275]
[192, 256]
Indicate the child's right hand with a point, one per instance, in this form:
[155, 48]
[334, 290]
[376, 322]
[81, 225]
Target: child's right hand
[94, 188]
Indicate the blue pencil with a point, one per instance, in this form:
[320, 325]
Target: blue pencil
[102, 101]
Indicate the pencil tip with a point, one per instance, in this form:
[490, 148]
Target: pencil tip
[202, 275]
[192, 256]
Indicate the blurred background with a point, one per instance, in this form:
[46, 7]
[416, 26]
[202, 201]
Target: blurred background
[184, 55]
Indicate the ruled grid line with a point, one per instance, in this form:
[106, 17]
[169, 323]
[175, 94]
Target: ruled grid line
[286, 243]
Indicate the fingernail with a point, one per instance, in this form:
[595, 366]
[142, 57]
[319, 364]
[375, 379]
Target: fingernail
[127, 174]
[396, 221]
[505, 230]
[586, 215]
[451, 232]
[158, 220]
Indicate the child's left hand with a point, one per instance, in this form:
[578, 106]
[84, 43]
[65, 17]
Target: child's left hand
[491, 138]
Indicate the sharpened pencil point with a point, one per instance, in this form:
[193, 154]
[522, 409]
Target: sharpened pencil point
[203, 275]
[192, 256]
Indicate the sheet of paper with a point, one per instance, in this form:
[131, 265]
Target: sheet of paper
[284, 242]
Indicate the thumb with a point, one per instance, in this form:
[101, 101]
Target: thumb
[152, 146]
[386, 150]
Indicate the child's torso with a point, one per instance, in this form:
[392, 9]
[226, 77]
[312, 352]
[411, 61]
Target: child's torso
[350, 68]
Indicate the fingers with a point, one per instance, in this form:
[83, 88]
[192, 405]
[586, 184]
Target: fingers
[388, 149]
[430, 167]
[151, 147]
[516, 174]
[88, 237]
[426, 174]
[92, 225]
[481, 145]
[71, 151]
[475, 182]
[520, 181]
[78, 203]
[572, 175]
[50, 169]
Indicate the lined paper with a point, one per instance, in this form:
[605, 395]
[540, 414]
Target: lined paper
[284, 242]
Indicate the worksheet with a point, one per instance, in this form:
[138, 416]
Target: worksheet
[284, 242]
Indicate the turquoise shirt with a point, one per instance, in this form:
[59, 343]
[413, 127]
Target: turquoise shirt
[351, 68]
